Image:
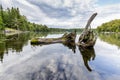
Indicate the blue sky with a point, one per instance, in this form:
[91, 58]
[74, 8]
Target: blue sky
[107, 2]
[66, 13]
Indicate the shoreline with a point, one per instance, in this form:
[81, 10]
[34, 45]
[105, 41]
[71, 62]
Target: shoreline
[12, 33]
[9, 31]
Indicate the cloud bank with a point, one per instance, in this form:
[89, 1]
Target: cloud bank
[64, 13]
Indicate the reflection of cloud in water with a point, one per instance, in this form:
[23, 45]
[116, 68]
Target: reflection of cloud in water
[42, 66]
[57, 69]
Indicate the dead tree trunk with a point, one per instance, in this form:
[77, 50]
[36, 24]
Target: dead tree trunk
[90, 20]
[88, 37]
[66, 38]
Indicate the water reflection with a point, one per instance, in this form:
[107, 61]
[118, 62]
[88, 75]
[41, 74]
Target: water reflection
[62, 71]
[71, 45]
[2, 49]
[56, 62]
[87, 54]
[57, 71]
[15, 43]
[111, 38]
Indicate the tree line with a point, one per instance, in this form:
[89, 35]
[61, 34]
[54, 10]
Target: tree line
[112, 26]
[11, 18]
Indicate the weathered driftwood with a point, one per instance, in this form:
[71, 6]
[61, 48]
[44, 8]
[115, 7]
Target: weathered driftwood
[88, 40]
[66, 38]
[88, 37]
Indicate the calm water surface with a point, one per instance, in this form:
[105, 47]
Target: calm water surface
[22, 61]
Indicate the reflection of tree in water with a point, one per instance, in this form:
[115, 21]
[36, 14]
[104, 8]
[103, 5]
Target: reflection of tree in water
[2, 46]
[38, 34]
[2, 49]
[87, 54]
[15, 43]
[111, 38]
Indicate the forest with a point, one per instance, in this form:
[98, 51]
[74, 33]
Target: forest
[11, 18]
[112, 26]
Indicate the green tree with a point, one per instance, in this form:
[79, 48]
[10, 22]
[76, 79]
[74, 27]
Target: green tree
[1, 24]
[112, 26]
[1, 20]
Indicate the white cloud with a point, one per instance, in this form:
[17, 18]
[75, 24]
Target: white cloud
[6, 3]
[64, 13]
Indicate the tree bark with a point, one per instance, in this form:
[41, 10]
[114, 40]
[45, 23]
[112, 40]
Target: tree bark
[88, 37]
[90, 20]
[66, 38]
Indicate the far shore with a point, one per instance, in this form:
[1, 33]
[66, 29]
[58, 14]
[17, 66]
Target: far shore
[9, 31]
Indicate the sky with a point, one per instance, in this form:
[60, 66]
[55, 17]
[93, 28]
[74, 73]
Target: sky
[66, 13]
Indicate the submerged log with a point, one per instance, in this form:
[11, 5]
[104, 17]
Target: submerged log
[66, 38]
[88, 37]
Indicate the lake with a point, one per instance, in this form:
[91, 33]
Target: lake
[19, 60]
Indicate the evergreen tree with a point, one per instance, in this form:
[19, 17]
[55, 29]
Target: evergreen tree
[1, 24]
[1, 21]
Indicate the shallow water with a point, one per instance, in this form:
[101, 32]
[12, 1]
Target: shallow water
[22, 61]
